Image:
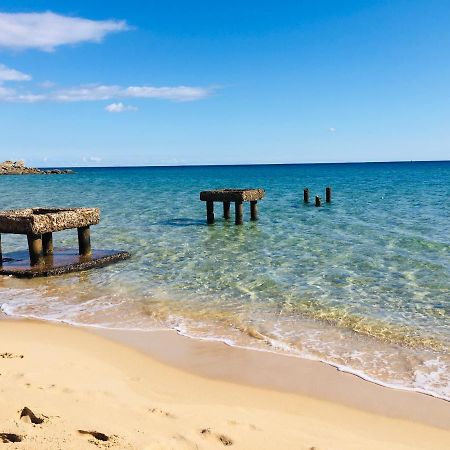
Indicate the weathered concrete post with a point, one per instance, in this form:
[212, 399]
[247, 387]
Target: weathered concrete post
[328, 195]
[35, 248]
[306, 195]
[226, 210]
[239, 212]
[84, 241]
[209, 212]
[253, 210]
[1, 254]
[318, 201]
[47, 243]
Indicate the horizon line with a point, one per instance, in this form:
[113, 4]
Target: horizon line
[255, 164]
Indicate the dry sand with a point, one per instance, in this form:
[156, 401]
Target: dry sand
[73, 380]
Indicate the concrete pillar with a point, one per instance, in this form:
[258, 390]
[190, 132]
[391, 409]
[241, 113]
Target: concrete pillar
[306, 195]
[84, 241]
[35, 248]
[209, 212]
[226, 210]
[253, 210]
[1, 254]
[328, 195]
[47, 244]
[239, 213]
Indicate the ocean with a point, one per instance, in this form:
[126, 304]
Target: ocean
[362, 283]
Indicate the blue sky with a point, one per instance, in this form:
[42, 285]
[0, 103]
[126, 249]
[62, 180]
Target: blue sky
[199, 82]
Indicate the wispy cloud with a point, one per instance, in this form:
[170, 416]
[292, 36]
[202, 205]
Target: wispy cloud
[332, 130]
[95, 159]
[6, 92]
[179, 93]
[46, 31]
[107, 92]
[8, 74]
[119, 107]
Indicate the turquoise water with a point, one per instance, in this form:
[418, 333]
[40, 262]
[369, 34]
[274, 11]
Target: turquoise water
[363, 283]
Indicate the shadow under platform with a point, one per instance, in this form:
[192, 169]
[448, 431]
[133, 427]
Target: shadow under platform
[61, 261]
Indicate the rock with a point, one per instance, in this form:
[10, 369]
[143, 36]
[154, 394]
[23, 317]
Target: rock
[19, 168]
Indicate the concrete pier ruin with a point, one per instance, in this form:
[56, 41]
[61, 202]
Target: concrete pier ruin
[42, 259]
[236, 196]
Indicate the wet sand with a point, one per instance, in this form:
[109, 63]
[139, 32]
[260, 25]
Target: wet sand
[86, 391]
[284, 373]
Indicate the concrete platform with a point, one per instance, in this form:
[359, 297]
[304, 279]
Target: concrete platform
[232, 195]
[47, 220]
[61, 261]
[227, 196]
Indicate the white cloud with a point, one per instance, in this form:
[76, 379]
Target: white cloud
[6, 92]
[8, 74]
[108, 92]
[332, 130]
[85, 93]
[45, 31]
[95, 159]
[11, 95]
[119, 107]
[179, 93]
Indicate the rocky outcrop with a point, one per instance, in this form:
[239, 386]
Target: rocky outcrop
[19, 168]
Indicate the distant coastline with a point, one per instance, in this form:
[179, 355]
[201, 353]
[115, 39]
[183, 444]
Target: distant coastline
[19, 168]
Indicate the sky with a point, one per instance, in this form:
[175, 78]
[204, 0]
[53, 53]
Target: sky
[108, 83]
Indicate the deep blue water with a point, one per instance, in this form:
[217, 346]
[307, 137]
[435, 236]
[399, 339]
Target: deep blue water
[362, 283]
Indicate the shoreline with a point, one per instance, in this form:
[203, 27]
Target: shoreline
[125, 335]
[217, 360]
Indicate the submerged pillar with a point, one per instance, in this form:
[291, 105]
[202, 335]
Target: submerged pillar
[209, 212]
[239, 212]
[253, 210]
[226, 210]
[35, 248]
[328, 195]
[84, 241]
[47, 244]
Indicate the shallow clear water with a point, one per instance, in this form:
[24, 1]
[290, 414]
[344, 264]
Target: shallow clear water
[363, 283]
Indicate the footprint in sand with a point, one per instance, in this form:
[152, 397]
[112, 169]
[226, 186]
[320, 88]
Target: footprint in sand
[96, 435]
[28, 416]
[161, 412]
[7, 438]
[207, 433]
[8, 355]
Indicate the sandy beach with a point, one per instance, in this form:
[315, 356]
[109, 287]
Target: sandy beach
[75, 389]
